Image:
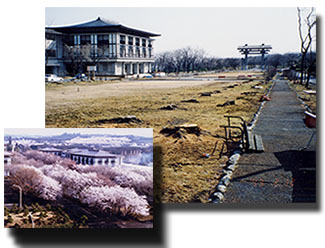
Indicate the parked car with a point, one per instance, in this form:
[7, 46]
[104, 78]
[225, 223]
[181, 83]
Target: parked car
[53, 78]
[79, 77]
[145, 75]
[160, 74]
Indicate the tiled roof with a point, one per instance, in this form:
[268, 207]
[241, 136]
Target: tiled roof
[101, 24]
[99, 154]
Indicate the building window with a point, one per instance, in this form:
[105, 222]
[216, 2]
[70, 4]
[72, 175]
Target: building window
[144, 42]
[130, 41]
[94, 39]
[137, 41]
[69, 40]
[150, 52]
[85, 39]
[76, 39]
[144, 52]
[122, 50]
[103, 67]
[103, 45]
[113, 162]
[76, 51]
[137, 52]
[102, 40]
[112, 45]
[100, 161]
[130, 51]
[122, 39]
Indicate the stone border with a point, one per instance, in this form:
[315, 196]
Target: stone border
[218, 195]
[252, 124]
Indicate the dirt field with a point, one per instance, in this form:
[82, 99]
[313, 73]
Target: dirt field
[182, 174]
[128, 88]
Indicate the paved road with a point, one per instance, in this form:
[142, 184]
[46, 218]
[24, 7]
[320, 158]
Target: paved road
[282, 173]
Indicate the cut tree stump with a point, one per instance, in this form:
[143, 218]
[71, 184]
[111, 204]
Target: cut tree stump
[122, 119]
[226, 104]
[180, 131]
[191, 100]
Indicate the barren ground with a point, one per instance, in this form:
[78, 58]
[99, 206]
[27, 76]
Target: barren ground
[182, 174]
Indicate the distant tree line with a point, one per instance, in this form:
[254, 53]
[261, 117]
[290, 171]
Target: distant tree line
[192, 59]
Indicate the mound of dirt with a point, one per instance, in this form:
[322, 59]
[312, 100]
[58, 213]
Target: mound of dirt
[169, 107]
[181, 131]
[249, 93]
[122, 119]
[191, 100]
[226, 104]
[205, 94]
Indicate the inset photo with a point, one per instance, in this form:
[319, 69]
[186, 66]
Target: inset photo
[78, 178]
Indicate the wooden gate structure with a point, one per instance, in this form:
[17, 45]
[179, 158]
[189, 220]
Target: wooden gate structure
[254, 49]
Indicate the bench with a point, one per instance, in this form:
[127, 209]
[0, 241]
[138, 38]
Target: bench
[250, 142]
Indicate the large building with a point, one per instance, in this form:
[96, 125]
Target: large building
[84, 156]
[94, 157]
[109, 47]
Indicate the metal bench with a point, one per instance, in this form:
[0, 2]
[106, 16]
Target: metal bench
[250, 142]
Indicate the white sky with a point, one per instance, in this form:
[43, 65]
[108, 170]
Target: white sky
[144, 132]
[219, 31]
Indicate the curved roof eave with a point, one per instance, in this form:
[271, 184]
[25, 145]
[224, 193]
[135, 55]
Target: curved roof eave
[102, 25]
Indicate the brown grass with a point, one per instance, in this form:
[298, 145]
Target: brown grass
[310, 100]
[181, 173]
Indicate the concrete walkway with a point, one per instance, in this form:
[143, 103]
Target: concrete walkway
[282, 173]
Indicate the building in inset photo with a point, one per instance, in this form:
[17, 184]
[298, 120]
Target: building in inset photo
[78, 178]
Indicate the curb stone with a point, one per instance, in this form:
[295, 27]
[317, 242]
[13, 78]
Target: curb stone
[218, 195]
[251, 125]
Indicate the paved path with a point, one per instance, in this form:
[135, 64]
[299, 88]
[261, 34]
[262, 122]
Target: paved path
[282, 173]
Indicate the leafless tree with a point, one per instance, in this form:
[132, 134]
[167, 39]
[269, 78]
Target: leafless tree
[183, 60]
[84, 55]
[306, 38]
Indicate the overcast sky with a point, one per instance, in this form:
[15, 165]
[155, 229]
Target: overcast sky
[144, 132]
[219, 31]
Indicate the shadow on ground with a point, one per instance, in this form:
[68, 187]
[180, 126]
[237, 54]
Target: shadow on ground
[302, 165]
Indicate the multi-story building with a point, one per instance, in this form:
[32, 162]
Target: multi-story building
[109, 47]
[84, 156]
[94, 157]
